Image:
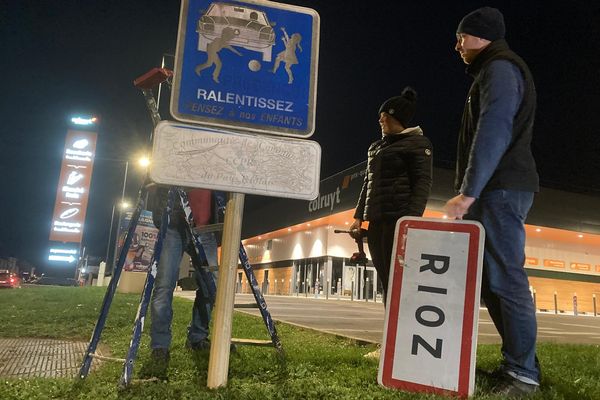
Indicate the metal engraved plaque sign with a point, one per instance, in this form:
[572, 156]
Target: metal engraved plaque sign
[190, 156]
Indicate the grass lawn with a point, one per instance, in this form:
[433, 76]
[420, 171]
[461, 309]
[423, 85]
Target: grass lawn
[318, 366]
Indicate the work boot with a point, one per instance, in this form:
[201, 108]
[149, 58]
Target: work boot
[201, 345]
[159, 359]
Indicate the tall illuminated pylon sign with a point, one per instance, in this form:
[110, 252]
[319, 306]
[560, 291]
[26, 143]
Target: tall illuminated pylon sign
[73, 187]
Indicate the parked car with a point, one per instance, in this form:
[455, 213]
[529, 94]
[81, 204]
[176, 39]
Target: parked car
[56, 281]
[9, 280]
[251, 28]
[26, 277]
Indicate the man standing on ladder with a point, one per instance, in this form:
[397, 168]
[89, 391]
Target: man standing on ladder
[177, 240]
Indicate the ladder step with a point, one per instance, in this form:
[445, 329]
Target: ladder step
[245, 305]
[208, 228]
[252, 342]
[105, 358]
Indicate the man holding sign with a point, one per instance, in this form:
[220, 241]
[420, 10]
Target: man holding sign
[496, 180]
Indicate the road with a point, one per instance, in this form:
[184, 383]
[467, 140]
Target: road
[363, 321]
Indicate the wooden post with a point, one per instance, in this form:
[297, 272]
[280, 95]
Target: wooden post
[218, 364]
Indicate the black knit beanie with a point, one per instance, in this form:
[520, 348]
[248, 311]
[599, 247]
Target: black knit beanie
[401, 107]
[485, 22]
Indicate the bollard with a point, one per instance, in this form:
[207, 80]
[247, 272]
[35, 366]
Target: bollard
[327, 291]
[555, 304]
[575, 304]
[374, 292]
[367, 291]
[339, 287]
[594, 301]
[352, 291]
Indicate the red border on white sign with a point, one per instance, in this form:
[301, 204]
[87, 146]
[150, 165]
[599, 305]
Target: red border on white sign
[466, 375]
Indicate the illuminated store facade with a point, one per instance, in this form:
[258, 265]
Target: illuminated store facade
[294, 250]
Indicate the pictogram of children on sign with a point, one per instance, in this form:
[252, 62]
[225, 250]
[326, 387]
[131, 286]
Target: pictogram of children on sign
[288, 56]
[212, 50]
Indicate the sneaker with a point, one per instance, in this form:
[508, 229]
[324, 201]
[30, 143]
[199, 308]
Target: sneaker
[204, 345]
[375, 354]
[513, 388]
[495, 375]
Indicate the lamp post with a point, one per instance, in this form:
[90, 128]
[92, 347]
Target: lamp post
[112, 218]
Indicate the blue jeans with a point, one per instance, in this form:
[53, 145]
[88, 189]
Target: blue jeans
[505, 286]
[161, 305]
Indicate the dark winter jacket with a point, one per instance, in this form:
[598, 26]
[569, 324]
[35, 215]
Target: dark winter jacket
[157, 201]
[398, 178]
[494, 147]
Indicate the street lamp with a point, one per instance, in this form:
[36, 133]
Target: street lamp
[144, 162]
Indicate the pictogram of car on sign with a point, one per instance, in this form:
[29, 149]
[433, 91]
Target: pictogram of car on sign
[252, 29]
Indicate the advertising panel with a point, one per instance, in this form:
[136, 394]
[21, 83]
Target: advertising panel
[142, 245]
[73, 187]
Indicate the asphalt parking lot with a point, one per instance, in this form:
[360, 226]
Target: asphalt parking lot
[363, 321]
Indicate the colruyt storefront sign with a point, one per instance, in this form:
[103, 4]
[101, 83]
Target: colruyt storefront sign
[430, 332]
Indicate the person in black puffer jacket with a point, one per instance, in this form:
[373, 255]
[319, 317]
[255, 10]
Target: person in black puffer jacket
[397, 181]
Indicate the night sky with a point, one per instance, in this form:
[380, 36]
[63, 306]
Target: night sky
[65, 57]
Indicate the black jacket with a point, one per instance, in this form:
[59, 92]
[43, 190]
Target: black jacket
[398, 178]
[157, 201]
[516, 169]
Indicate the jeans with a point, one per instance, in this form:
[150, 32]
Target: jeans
[164, 284]
[204, 302]
[504, 286]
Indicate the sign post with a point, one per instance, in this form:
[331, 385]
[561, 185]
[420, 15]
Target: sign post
[218, 363]
[241, 66]
[430, 331]
[71, 198]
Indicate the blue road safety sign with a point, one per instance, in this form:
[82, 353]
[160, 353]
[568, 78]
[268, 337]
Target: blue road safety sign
[247, 65]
